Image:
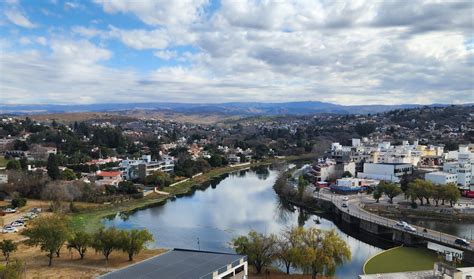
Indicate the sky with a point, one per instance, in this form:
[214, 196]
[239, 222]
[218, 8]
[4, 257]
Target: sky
[200, 51]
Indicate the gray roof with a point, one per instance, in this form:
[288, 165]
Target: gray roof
[177, 263]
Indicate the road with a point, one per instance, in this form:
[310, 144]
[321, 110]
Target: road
[354, 209]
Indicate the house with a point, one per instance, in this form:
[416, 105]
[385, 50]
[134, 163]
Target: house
[3, 178]
[108, 178]
[189, 264]
[133, 169]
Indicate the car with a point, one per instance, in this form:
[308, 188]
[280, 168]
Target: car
[462, 242]
[17, 224]
[344, 204]
[409, 228]
[36, 210]
[10, 210]
[401, 223]
[9, 229]
[345, 198]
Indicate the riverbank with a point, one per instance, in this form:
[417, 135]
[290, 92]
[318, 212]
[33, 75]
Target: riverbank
[90, 219]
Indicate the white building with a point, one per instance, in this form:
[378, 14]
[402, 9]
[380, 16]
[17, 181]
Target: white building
[108, 178]
[458, 168]
[133, 169]
[3, 178]
[328, 170]
[388, 172]
[441, 177]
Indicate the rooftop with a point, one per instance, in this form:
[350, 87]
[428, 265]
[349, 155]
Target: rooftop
[177, 263]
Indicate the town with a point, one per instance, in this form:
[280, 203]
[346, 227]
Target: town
[73, 165]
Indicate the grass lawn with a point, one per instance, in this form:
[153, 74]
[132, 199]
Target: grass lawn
[401, 259]
[3, 161]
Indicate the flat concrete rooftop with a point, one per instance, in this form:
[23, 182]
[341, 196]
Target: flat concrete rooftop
[177, 263]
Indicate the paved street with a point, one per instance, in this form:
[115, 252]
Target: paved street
[354, 209]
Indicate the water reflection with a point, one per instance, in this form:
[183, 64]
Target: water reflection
[240, 202]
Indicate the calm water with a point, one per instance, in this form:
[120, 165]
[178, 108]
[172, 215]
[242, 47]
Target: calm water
[242, 201]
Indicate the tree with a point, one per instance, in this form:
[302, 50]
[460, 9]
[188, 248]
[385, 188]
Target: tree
[18, 202]
[288, 248]
[260, 249]
[127, 187]
[347, 174]
[106, 241]
[48, 232]
[68, 174]
[452, 194]
[13, 165]
[7, 246]
[321, 251]
[390, 189]
[438, 193]
[377, 195]
[80, 241]
[134, 241]
[53, 168]
[302, 183]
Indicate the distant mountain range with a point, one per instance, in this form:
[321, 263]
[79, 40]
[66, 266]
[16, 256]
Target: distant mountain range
[247, 109]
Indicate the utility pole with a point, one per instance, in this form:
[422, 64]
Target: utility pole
[199, 245]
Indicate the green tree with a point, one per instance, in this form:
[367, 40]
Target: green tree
[321, 251]
[302, 184]
[7, 246]
[68, 174]
[18, 202]
[452, 194]
[438, 193]
[80, 241]
[390, 189]
[52, 167]
[376, 195]
[106, 241]
[13, 165]
[134, 241]
[347, 174]
[48, 232]
[260, 249]
[127, 187]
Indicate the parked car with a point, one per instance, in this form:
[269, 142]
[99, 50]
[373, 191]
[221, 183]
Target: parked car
[9, 229]
[345, 198]
[10, 210]
[409, 228]
[344, 204]
[17, 223]
[36, 210]
[462, 242]
[401, 223]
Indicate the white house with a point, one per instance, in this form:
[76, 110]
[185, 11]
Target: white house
[441, 177]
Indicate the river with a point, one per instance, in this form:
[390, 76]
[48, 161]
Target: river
[208, 219]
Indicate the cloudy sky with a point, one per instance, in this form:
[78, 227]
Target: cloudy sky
[123, 51]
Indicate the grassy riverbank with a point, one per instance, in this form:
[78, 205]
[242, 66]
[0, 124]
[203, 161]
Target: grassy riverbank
[401, 259]
[90, 218]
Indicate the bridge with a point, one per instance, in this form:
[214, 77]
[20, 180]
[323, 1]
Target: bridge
[354, 214]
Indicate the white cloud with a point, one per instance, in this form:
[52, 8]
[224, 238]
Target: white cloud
[166, 54]
[41, 40]
[353, 52]
[18, 18]
[157, 12]
[25, 41]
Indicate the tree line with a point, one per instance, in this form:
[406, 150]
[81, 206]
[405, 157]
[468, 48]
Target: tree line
[311, 250]
[52, 233]
[421, 190]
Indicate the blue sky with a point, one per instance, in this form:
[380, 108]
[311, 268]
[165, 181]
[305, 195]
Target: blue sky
[354, 52]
